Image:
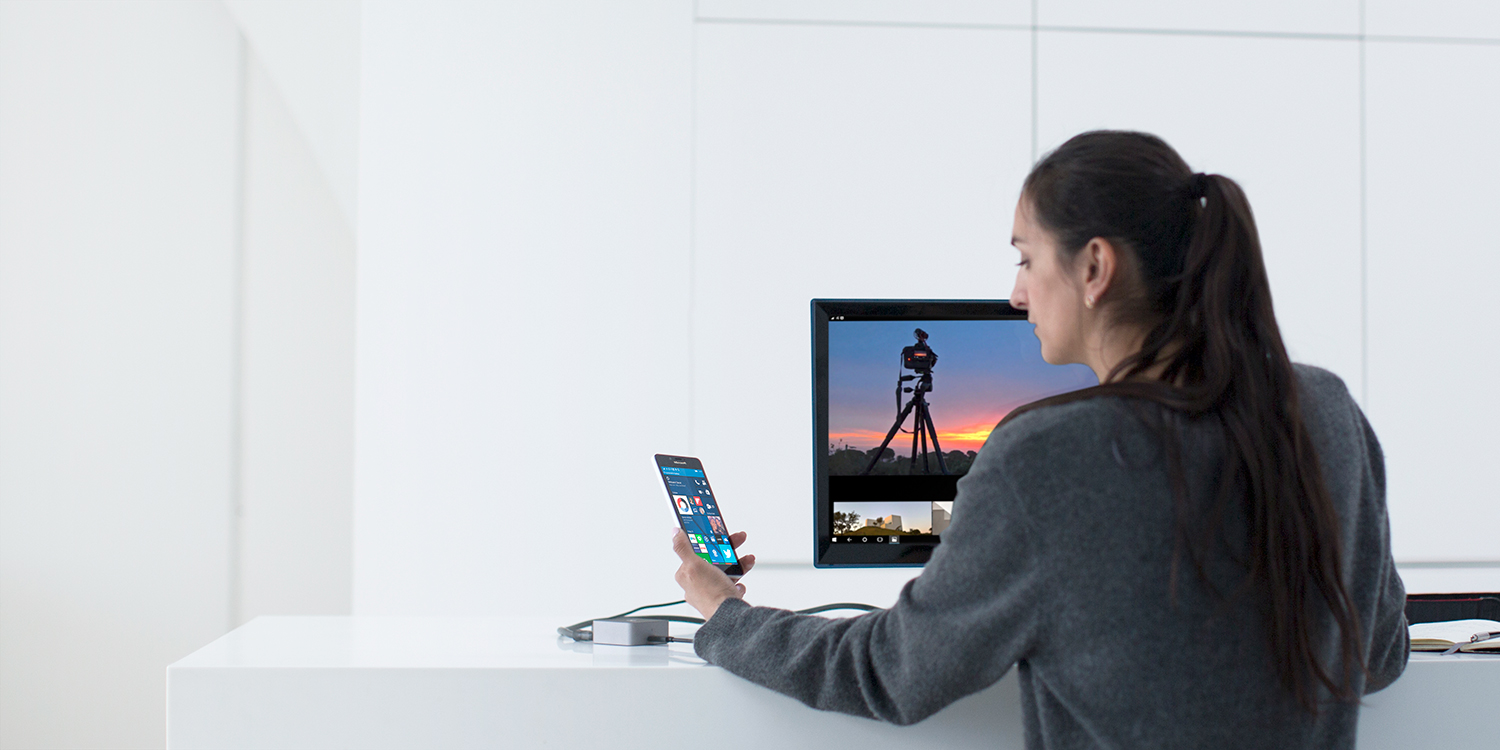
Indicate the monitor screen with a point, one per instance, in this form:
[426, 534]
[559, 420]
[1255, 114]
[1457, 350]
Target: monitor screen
[905, 393]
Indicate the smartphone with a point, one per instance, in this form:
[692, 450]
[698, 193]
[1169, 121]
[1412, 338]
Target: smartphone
[697, 509]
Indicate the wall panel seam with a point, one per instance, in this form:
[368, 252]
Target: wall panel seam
[1199, 32]
[1036, 27]
[1364, 230]
[237, 342]
[692, 264]
[1034, 93]
[857, 23]
[1455, 40]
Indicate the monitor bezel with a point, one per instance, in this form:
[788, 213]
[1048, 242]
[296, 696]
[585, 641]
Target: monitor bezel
[825, 553]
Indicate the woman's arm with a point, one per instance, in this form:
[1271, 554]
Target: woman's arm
[1390, 639]
[955, 630]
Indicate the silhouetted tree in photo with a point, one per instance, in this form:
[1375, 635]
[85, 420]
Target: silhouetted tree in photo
[848, 461]
[844, 522]
[844, 461]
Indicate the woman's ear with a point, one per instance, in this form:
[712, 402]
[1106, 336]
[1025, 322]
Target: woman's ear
[1097, 270]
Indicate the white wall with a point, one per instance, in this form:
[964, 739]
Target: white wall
[523, 301]
[117, 257]
[1268, 112]
[1433, 351]
[297, 372]
[843, 149]
[300, 198]
[310, 49]
[176, 342]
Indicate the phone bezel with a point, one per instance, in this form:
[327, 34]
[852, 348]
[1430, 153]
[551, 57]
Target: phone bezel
[734, 569]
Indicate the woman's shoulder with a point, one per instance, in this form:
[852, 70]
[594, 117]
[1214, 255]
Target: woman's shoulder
[1332, 416]
[1326, 402]
[1069, 421]
[1319, 384]
[1075, 448]
[1084, 417]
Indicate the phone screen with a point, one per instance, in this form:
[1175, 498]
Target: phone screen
[697, 510]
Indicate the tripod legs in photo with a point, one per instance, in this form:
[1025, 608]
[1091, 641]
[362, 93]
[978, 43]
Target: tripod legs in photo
[937, 450]
[900, 418]
[924, 428]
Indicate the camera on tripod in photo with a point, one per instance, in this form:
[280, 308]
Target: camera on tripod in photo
[919, 356]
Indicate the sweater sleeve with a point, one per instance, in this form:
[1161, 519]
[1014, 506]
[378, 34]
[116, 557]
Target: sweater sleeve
[1390, 639]
[955, 629]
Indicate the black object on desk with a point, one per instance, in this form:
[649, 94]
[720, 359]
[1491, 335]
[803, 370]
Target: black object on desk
[1443, 607]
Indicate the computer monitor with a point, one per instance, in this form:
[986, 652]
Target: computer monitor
[929, 380]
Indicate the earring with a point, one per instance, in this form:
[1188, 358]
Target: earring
[1088, 302]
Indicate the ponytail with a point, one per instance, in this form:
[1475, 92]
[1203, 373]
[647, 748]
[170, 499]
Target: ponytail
[1205, 301]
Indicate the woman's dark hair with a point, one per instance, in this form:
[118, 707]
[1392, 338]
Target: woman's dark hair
[1206, 303]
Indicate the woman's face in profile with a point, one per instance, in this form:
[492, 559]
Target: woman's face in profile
[1052, 301]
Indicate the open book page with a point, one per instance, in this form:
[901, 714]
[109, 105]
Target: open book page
[1439, 636]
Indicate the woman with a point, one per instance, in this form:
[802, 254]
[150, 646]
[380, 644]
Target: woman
[1193, 554]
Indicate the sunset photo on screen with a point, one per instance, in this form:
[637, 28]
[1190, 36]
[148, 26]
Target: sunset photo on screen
[984, 369]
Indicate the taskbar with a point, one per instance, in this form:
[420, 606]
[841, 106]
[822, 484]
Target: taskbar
[928, 539]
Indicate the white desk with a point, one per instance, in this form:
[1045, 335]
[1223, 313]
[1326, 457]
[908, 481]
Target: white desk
[368, 682]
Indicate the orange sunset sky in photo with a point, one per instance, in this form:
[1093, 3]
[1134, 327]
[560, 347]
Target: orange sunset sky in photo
[985, 368]
[963, 439]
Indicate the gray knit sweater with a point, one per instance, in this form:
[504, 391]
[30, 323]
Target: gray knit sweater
[1057, 562]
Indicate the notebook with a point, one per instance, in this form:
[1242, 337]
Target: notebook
[1443, 636]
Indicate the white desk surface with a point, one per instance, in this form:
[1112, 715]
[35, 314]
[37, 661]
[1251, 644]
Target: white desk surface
[498, 642]
[472, 682]
[426, 643]
[480, 682]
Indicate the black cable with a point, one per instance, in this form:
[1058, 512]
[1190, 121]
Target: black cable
[667, 639]
[583, 631]
[840, 605]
